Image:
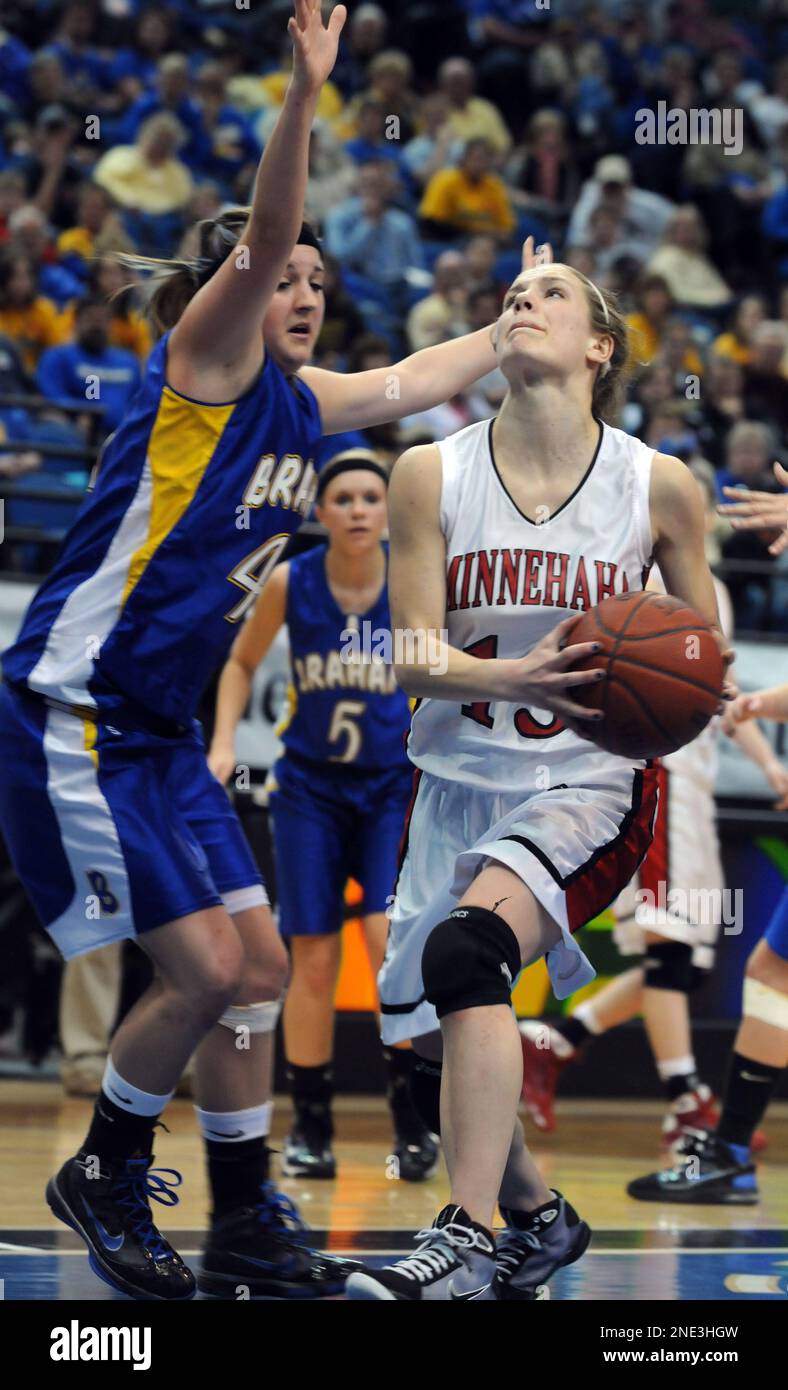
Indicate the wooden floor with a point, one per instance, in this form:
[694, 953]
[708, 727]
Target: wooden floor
[598, 1148]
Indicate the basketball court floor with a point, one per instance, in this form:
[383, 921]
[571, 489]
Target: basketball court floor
[639, 1251]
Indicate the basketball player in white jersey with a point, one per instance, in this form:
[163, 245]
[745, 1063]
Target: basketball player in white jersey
[521, 829]
[671, 913]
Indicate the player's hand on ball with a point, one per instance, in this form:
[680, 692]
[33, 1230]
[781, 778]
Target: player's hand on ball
[221, 761]
[545, 678]
[314, 44]
[760, 511]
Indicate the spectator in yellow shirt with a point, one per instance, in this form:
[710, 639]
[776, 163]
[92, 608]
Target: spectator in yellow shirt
[469, 199]
[26, 316]
[127, 327]
[647, 327]
[471, 116]
[737, 342]
[95, 213]
[148, 176]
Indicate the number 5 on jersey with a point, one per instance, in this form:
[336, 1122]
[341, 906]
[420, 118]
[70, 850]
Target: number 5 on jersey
[343, 724]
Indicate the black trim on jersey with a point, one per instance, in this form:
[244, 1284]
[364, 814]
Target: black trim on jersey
[401, 1008]
[564, 883]
[571, 496]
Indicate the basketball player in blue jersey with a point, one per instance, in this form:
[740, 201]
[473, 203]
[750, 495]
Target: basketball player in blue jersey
[339, 794]
[114, 823]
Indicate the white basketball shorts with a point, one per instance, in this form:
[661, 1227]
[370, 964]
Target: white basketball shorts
[574, 846]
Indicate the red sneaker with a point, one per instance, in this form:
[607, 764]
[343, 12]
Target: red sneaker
[545, 1054]
[698, 1109]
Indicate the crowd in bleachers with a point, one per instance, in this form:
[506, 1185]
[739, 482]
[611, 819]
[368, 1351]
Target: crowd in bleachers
[449, 131]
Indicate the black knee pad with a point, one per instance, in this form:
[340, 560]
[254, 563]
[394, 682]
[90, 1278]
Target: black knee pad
[699, 976]
[425, 1092]
[471, 959]
[668, 965]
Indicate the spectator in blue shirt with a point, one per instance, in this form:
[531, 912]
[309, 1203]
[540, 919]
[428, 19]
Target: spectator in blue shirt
[371, 143]
[370, 237]
[364, 36]
[171, 94]
[225, 149]
[88, 371]
[134, 68]
[88, 72]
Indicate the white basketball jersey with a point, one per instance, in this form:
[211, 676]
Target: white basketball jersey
[509, 581]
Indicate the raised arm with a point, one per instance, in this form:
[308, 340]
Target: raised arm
[235, 682]
[417, 593]
[677, 524]
[419, 382]
[216, 349]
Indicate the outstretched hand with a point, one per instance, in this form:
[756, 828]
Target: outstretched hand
[534, 256]
[760, 511]
[314, 44]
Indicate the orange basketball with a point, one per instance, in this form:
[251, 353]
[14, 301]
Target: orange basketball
[664, 673]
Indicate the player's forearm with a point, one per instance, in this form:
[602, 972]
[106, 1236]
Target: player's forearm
[432, 669]
[754, 743]
[235, 687]
[280, 187]
[434, 374]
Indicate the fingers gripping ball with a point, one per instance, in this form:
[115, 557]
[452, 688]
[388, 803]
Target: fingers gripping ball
[664, 673]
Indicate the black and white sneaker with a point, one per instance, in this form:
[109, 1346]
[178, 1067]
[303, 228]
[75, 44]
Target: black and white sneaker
[455, 1259]
[529, 1253]
[308, 1153]
[416, 1155]
[109, 1207]
[707, 1171]
[262, 1252]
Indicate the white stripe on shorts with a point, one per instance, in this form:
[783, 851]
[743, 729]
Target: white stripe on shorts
[89, 838]
[240, 899]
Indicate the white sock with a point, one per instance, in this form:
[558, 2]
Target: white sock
[129, 1097]
[676, 1066]
[585, 1012]
[231, 1126]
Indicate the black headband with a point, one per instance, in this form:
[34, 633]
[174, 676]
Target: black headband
[306, 237]
[349, 460]
[206, 266]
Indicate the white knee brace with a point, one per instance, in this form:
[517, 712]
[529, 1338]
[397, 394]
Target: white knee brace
[765, 1003]
[258, 1018]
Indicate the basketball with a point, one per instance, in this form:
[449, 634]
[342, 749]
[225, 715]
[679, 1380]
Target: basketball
[664, 673]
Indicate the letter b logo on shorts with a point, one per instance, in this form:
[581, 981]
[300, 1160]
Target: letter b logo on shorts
[107, 900]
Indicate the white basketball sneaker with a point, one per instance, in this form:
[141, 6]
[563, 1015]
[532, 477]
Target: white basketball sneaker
[455, 1259]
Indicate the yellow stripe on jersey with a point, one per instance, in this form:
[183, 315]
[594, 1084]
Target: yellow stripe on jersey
[91, 734]
[183, 439]
[288, 714]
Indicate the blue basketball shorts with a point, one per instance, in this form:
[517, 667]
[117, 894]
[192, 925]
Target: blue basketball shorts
[777, 930]
[115, 832]
[331, 824]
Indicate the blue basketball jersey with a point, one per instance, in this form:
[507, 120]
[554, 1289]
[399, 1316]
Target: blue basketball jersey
[191, 507]
[343, 706]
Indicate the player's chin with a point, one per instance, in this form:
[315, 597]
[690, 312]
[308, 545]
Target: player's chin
[297, 349]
